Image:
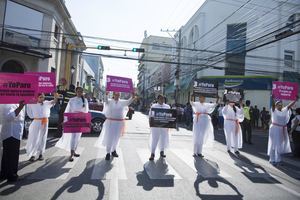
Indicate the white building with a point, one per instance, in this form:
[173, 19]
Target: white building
[222, 32]
[35, 37]
[153, 76]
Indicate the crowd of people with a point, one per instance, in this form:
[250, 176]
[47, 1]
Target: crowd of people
[235, 117]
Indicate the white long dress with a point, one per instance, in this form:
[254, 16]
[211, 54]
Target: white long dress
[232, 128]
[69, 141]
[114, 125]
[203, 131]
[279, 142]
[159, 136]
[38, 129]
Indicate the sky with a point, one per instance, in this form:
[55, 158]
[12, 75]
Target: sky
[127, 20]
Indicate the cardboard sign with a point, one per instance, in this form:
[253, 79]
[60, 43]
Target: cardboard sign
[163, 118]
[77, 122]
[15, 87]
[284, 90]
[119, 84]
[207, 88]
[47, 81]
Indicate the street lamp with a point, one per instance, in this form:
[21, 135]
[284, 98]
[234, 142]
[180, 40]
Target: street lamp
[72, 73]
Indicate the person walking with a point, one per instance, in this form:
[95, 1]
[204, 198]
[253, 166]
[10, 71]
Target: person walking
[69, 141]
[114, 125]
[256, 116]
[38, 129]
[203, 131]
[12, 125]
[279, 142]
[295, 132]
[232, 129]
[246, 124]
[159, 136]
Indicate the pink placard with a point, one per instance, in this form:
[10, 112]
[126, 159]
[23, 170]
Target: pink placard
[15, 87]
[284, 90]
[118, 84]
[47, 81]
[77, 122]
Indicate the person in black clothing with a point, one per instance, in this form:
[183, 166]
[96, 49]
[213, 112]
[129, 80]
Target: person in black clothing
[188, 113]
[255, 116]
[264, 118]
[295, 132]
[246, 124]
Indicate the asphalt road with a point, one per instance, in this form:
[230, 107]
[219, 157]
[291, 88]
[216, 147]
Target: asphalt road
[180, 176]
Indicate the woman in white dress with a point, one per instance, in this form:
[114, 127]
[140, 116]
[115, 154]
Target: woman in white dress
[232, 129]
[203, 131]
[279, 142]
[69, 141]
[38, 129]
[114, 125]
[159, 136]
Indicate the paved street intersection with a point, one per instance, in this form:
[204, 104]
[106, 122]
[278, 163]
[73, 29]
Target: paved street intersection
[131, 176]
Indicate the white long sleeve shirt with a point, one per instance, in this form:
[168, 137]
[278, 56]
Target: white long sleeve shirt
[12, 125]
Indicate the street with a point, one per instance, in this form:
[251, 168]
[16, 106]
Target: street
[218, 175]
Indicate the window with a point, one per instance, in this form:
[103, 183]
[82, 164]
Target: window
[289, 58]
[56, 32]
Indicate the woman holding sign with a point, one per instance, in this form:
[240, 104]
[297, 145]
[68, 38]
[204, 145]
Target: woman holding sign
[69, 141]
[159, 136]
[203, 131]
[279, 142]
[114, 126]
[232, 118]
[38, 129]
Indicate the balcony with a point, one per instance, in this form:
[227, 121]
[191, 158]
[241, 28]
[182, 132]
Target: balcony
[22, 43]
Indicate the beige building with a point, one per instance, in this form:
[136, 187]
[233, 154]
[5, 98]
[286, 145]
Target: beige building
[35, 37]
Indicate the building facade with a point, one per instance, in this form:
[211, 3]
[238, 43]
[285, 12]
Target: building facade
[39, 36]
[229, 37]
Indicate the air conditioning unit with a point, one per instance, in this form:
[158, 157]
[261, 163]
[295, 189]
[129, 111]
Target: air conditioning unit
[293, 22]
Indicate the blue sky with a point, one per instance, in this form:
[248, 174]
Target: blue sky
[127, 20]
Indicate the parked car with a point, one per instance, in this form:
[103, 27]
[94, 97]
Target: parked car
[97, 121]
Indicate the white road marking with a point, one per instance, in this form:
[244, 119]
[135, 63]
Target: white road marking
[205, 168]
[157, 169]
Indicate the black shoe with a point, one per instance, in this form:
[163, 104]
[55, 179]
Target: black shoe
[152, 157]
[195, 155]
[114, 154]
[76, 155]
[200, 155]
[71, 159]
[107, 157]
[12, 178]
[228, 151]
[250, 143]
[237, 152]
[31, 159]
[162, 154]
[41, 157]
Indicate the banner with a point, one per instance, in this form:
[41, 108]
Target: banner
[284, 90]
[77, 122]
[163, 118]
[207, 88]
[118, 84]
[15, 87]
[47, 81]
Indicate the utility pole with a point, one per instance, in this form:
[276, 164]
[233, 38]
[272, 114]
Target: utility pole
[177, 72]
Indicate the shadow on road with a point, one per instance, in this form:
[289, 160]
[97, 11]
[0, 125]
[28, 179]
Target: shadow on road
[155, 174]
[254, 172]
[209, 171]
[76, 183]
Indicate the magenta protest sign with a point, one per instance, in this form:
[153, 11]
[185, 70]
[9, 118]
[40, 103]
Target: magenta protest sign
[47, 81]
[77, 122]
[118, 84]
[284, 90]
[17, 87]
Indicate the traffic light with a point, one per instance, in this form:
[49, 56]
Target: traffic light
[138, 50]
[103, 47]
